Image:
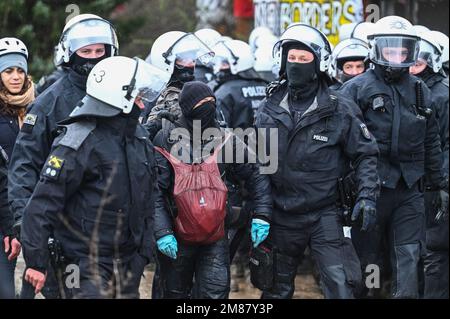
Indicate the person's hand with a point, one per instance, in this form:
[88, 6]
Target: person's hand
[164, 114]
[36, 279]
[441, 206]
[168, 246]
[12, 246]
[365, 209]
[260, 231]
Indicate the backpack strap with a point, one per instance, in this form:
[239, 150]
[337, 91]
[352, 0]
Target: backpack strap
[213, 157]
[172, 159]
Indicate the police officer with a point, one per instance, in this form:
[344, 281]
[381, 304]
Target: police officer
[94, 189]
[261, 41]
[320, 132]
[202, 72]
[349, 59]
[428, 67]
[399, 112]
[175, 52]
[209, 262]
[239, 89]
[86, 40]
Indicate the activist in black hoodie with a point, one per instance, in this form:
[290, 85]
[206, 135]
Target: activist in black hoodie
[209, 263]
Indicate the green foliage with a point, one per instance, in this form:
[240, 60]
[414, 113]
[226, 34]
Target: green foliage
[39, 23]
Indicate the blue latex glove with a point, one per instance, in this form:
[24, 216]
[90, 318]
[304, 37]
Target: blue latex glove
[365, 209]
[168, 246]
[260, 231]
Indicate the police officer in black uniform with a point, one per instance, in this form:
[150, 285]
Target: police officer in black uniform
[320, 132]
[399, 111]
[40, 125]
[96, 187]
[239, 89]
[429, 68]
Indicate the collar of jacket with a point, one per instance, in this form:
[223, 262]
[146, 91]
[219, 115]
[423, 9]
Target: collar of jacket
[77, 79]
[431, 79]
[119, 125]
[278, 102]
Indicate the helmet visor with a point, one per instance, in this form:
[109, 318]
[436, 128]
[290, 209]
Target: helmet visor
[189, 49]
[150, 81]
[428, 53]
[87, 32]
[396, 51]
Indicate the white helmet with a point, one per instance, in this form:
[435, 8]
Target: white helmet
[430, 51]
[237, 54]
[347, 50]
[345, 30]
[13, 45]
[442, 39]
[256, 34]
[83, 30]
[13, 52]
[309, 36]
[420, 28]
[264, 61]
[394, 32]
[362, 30]
[209, 36]
[174, 45]
[116, 82]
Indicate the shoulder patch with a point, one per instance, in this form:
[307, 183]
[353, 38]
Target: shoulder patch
[28, 123]
[365, 131]
[53, 167]
[76, 134]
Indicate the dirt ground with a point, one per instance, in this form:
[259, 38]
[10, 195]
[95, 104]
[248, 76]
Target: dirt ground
[305, 286]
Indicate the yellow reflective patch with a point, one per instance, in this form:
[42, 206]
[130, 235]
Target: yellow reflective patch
[55, 162]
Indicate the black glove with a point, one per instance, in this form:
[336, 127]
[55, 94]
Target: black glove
[164, 114]
[365, 209]
[441, 206]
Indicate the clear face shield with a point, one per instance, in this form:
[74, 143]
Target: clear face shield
[149, 81]
[396, 51]
[428, 54]
[189, 50]
[224, 56]
[87, 32]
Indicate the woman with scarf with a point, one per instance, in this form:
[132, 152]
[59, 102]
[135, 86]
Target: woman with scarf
[16, 93]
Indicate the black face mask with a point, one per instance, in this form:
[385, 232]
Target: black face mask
[346, 77]
[223, 76]
[392, 75]
[206, 113]
[132, 119]
[426, 73]
[183, 74]
[84, 66]
[300, 75]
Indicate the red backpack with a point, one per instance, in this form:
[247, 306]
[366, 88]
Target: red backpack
[200, 196]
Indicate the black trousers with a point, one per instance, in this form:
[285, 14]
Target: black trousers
[323, 232]
[400, 233]
[436, 256]
[114, 279]
[208, 264]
